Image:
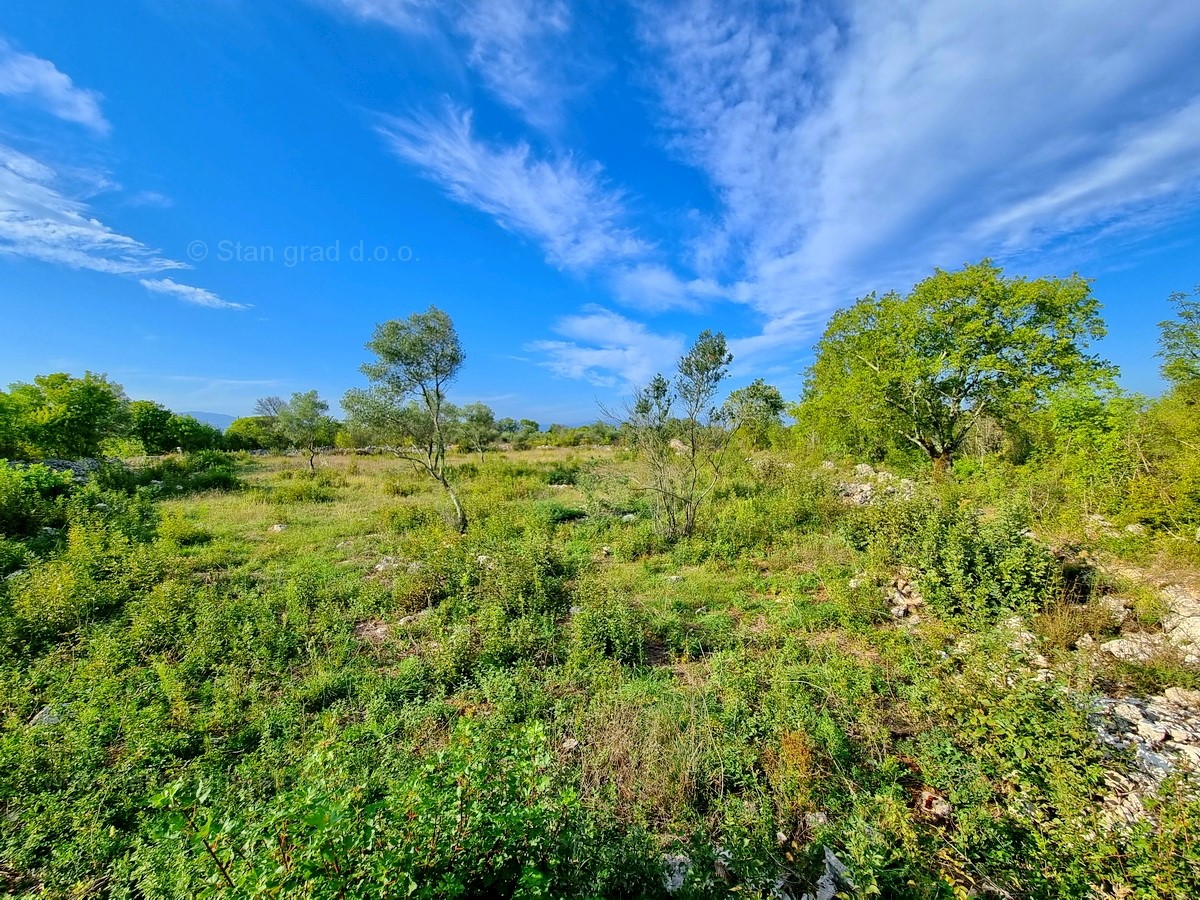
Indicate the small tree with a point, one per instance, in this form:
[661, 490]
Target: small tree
[1179, 340]
[405, 405]
[478, 427]
[757, 409]
[680, 434]
[926, 367]
[269, 407]
[305, 423]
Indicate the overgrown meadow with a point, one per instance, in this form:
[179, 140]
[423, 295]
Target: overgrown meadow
[232, 676]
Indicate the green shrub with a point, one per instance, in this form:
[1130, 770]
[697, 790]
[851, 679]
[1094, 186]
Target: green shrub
[30, 498]
[969, 567]
[101, 568]
[609, 626]
[490, 816]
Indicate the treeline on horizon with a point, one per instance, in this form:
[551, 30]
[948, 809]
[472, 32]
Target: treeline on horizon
[970, 366]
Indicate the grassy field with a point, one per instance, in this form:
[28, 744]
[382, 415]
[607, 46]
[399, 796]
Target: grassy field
[310, 685]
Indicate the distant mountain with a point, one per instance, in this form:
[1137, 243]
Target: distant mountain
[217, 420]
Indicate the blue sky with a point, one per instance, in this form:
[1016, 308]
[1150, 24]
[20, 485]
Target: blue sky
[193, 196]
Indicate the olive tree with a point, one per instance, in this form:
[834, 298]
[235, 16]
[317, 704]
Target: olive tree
[961, 346]
[305, 424]
[680, 434]
[405, 406]
[478, 427]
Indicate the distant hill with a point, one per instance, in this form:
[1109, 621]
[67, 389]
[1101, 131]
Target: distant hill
[217, 420]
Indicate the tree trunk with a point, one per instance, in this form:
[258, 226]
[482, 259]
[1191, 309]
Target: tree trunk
[460, 515]
[312, 455]
[941, 463]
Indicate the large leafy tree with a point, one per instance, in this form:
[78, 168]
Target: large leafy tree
[926, 367]
[405, 407]
[62, 416]
[151, 424]
[478, 427]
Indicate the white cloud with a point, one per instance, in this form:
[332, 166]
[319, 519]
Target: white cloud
[656, 287]
[859, 149]
[516, 47]
[38, 221]
[403, 15]
[607, 349]
[188, 294]
[563, 205]
[39, 80]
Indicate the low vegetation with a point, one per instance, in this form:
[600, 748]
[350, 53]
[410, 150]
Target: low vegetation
[226, 674]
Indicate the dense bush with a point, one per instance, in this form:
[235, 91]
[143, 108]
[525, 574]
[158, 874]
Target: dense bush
[31, 498]
[491, 815]
[967, 566]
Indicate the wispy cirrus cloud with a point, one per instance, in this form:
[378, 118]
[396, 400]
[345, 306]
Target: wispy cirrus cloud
[563, 205]
[607, 349]
[39, 81]
[38, 221]
[858, 146]
[520, 49]
[188, 294]
[516, 46]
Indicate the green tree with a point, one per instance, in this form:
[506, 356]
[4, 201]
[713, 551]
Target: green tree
[189, 434]
[681, 436]
[253, 433]
[1179, 340]
[757, 409]
[478, 427]
[305, 423]
[151, 424]
[62, 416]
[925, 367]
[405, 406]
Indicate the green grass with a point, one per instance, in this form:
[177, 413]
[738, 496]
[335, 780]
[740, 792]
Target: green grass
[310, 686]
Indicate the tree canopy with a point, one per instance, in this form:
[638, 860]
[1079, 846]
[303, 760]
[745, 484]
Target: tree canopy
[926, 367]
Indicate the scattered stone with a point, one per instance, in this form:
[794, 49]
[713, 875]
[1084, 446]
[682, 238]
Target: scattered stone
[933, 804]
[1085, 642]
[372, 631]
[606, 551]
[45, 716]
[676, 868]
[385, 565]
[674, 579]
[1128, 712]
[570, 744]
[1164, 735]
[1136, 647]
[629, 517]
[1136, 529]
[835, 878]
[414, 568]
[1116, 606]
[277, 527]
[904, 600]
[1182, 697]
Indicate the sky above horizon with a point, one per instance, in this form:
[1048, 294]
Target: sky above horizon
[217, 201]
